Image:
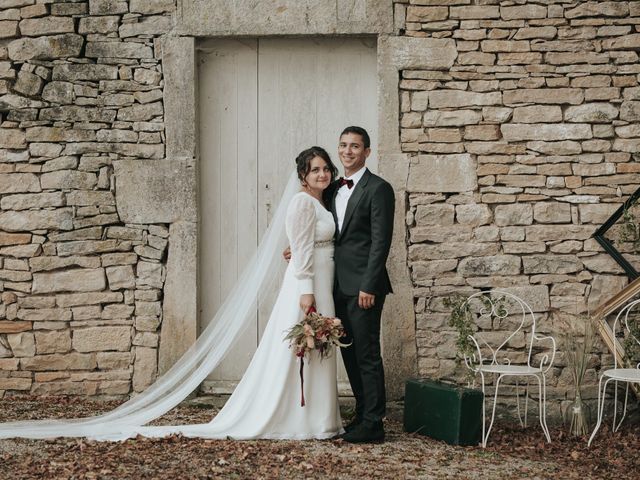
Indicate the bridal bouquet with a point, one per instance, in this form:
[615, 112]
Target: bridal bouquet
[314, 332]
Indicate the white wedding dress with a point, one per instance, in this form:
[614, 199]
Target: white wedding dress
[266, 402]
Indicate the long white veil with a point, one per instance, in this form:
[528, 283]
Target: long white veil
[235, 314]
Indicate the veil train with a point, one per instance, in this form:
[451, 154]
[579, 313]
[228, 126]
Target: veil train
[232, 318]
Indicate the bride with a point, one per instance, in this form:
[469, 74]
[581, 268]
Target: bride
[266, 402]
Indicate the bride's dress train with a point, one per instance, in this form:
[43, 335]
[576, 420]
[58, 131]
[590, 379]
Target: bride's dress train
[266, 402]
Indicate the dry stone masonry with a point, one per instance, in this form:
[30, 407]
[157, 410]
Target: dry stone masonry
[533, 137]
[81, 290]
[521, 135]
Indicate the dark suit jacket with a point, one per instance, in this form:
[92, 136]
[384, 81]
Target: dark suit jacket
[362, 247]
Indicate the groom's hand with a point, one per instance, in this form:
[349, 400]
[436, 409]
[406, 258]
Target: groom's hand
[287, 254]
[366, 300]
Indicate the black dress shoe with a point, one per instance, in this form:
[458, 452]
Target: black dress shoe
[364, 433]
[352, 424]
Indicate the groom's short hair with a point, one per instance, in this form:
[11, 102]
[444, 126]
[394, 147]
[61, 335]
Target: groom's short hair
[358, 131]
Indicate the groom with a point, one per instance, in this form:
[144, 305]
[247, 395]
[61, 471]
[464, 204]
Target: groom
[362, 205]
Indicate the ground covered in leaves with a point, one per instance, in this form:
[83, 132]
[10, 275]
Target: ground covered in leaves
[513, 453]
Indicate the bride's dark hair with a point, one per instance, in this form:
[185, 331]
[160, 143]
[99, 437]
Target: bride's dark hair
[303, 162]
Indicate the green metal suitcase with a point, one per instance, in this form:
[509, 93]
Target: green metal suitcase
[443, 411]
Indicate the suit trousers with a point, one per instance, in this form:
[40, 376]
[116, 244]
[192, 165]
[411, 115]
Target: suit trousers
[362, 359]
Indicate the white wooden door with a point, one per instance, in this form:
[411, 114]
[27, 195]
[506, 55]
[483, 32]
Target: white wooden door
[262, 101]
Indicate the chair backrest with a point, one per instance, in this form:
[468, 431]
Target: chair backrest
[497, 305]
[622, 327]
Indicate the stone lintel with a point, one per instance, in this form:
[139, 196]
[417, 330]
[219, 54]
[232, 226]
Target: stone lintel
[291, 17]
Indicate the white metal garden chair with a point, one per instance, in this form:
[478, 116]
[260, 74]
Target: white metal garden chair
[618, 373]
[495, 306]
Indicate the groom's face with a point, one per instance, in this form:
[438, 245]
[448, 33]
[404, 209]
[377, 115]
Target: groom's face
[352, 152]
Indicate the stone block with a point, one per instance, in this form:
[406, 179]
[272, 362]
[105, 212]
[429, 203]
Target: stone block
[566, 147]
[475, 12]
[102, 24]
[573, 96]
[43, 314]
[57, 92]
[78, 280]
[99, 339]
[140, 113]
[46, 48]
[491, 265]
[557, 264]
[513, 132]
[8, 29]
[515, 214]
[148, 8]
[456, 233]
[509, 46]
[451, 250]
[434, 214]
[145, 368]
[68, 179]
[74, 113]
[627, 42]
[114, 360]
[117, 311]
[44, 263]
[108, 7]
[121, 277]
[29, 220]
[84, 71]
[473, 214]
[22, 344]
[596, 214]
[118, 50]
[28, 84]
[93, 298]
[49, 25]
[57, 341]
[13, 326]
[591, 112]
[451, 118]
[602, 263]
[552, 212]
[442, 173]
[12, 138]
[69, 361]
[155, 192]
[462, 98]
[537, 114]
[629, 111]
[603, 287]
[15, 383]
[521, 12]
[154, 25]
[595, 9]
[18, 182]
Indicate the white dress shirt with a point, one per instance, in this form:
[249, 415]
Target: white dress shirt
[344, 193]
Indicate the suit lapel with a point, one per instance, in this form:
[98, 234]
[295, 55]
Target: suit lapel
[355, 198]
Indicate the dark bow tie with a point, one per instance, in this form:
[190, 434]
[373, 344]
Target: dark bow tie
[343, 181]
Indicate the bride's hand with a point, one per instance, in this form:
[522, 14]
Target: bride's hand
[306, 302]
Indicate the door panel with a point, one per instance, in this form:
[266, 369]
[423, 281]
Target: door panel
[261, 103]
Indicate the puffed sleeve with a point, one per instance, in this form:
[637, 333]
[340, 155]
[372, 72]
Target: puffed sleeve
[300, 226]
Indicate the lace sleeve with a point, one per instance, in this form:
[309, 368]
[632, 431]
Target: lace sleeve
[301, 225]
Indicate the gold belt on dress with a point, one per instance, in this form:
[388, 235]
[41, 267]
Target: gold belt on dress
[324, 243]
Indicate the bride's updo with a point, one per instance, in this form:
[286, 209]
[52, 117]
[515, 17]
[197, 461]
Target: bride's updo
[303, 162]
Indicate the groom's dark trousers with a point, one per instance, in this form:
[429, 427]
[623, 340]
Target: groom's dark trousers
[361, 250]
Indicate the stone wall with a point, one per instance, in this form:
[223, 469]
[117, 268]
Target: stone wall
[517, 141]
[534, 134]
[82, 291]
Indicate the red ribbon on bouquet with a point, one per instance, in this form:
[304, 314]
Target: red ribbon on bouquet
[312, 309]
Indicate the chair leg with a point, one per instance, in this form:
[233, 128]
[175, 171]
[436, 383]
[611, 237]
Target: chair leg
[484, 410]
[543, 406]
[522, 424]
[526, 403]
[615, 406]
[485, 435]
[601, 390]
[624, 411]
